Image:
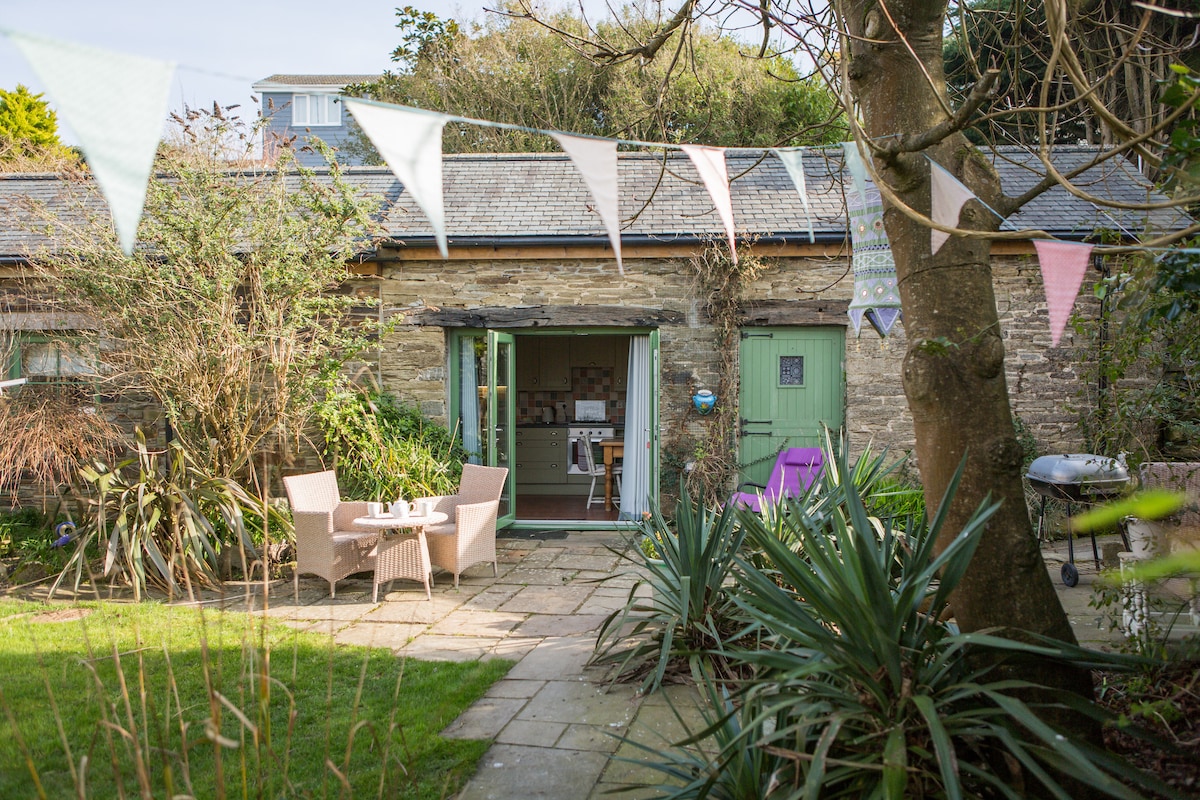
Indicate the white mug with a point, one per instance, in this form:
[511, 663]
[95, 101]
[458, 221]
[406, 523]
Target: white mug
[400, 509]
[374, 509]
[425, 507]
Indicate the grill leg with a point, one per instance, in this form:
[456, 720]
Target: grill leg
[1042, 523]
[1070, 537]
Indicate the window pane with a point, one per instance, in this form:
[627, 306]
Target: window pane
[791, 370]
[300, 115]
[39, 360]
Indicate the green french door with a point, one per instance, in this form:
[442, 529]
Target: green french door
[500, 433]
[792, 387]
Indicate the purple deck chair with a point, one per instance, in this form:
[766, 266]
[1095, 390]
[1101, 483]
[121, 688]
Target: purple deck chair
[794, 471]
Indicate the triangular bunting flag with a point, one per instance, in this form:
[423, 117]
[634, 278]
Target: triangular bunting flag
[793, 159]
[947, 197]
[116, 104]
[710, 163]
[410, 141]
[596, 160]
[856, 167]
[1063, 266]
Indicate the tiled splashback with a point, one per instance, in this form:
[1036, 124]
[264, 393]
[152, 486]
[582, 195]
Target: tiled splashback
[587, 383]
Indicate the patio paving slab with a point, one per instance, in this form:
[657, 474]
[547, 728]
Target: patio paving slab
[394, 636]
[553, 659]
[547, 600]
[538, 576]
[541, 625]
[485, 719]
[470, 622]
[508, 772]
[580, 701]
[531, 732]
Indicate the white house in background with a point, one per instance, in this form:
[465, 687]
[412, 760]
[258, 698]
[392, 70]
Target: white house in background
[303, 106]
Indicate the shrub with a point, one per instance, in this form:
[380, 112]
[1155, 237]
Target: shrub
[384, 449]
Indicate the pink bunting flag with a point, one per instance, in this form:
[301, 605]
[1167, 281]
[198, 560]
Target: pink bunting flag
[710, 163]
[1063, 266]
[596, 160]
[410, 141]
[947, 197]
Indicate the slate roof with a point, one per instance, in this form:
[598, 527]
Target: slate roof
[332, 81]
[525, 199]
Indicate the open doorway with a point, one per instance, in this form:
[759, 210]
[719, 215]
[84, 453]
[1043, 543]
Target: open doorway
[572, 410]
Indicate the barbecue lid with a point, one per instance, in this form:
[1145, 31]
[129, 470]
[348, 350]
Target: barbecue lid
[1077, 469]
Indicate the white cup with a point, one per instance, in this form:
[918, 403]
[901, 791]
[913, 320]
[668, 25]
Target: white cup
[374, 509]
[400, 509]
[424, 507]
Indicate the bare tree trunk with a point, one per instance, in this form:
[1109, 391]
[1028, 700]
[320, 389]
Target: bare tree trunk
[954, 367]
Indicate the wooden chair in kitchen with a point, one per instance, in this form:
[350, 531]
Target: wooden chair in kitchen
[590, 467]
[795, 470]
[327, 542]
[469, 536]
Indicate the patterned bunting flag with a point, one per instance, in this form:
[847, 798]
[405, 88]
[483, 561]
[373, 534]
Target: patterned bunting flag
[1063, 266]
[116, 104]
[710, 163]
[876, 297]
[947, 196]
[793, 159]
[596, 160]
[410, 141]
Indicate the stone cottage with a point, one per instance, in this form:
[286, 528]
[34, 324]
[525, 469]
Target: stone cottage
[531, 344]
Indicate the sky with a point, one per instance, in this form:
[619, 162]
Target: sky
[221, 47]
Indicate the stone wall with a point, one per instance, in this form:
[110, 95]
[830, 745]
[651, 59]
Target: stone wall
[1044, 383]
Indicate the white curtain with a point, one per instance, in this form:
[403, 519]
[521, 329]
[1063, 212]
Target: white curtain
[469, 400]
[635, 475]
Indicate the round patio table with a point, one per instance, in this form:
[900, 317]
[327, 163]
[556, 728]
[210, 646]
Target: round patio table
[402, 552]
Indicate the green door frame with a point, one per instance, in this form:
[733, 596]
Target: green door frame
[502, 415]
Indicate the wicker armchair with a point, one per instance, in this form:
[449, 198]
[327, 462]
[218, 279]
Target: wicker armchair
[469, 537]
[327, 543]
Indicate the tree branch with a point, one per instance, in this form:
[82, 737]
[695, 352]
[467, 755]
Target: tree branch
[915, 143]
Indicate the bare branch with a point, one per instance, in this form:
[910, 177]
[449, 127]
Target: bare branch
[915, 143]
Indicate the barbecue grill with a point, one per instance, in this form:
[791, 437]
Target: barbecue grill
[1075, 478]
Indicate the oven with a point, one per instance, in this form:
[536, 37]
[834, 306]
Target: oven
[588, 432]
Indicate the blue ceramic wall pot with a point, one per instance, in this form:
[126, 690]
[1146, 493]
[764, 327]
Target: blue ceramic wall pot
[704, 401]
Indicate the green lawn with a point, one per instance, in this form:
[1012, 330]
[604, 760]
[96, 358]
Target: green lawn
[121, 695]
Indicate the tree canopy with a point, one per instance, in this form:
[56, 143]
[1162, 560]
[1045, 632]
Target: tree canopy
[29, 133]
[512, 69]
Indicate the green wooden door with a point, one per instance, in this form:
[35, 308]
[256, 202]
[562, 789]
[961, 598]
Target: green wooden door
[791, 388]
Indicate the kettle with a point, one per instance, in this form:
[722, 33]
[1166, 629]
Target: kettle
[547, 414]
[561, 414]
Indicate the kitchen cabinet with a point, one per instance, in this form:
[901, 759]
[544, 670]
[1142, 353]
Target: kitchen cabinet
[554, 364]
[528, 364]
[591, 351]
[541, 455]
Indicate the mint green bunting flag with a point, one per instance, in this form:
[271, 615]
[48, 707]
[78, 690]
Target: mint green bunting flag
[793, 159]
[116, 104]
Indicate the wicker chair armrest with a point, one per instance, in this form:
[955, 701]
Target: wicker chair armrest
[346, 512]
[312, 525]
[472, 518]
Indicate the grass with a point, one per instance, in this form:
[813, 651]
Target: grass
[154, 700]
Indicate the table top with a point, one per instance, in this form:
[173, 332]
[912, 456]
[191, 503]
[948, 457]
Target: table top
[387, 521]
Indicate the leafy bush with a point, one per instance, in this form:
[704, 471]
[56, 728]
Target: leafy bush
[860, 688]
[384, 449]
[690, 611]
[160, 524]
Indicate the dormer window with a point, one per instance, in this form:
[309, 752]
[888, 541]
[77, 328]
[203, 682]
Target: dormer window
[314, 110]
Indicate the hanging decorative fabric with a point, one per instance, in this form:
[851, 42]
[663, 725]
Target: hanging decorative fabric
[116, 104]
[876, 298]
[1063, 266]
[410, 141]
[596, 160]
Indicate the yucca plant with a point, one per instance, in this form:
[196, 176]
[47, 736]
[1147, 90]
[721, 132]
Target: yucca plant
[859, 688]
[690, 610]
[159, 520]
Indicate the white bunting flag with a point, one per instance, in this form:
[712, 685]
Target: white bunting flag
[947, 197]
[410, 141]
[793, 159]
[116, 104]
[856, 167]
[1063, 266]
[710, 163]
[596, 160]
